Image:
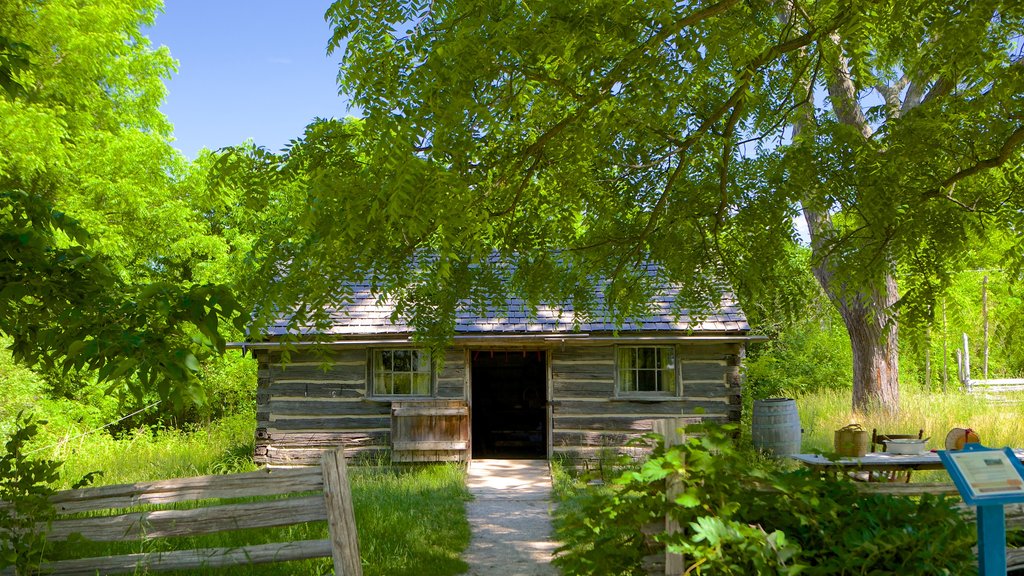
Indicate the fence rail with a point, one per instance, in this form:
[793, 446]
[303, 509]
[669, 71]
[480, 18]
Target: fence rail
[112, 524]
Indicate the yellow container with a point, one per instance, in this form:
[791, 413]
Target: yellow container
[851, 441]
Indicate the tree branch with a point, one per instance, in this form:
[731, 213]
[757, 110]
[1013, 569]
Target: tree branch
[843, 93]
[1011, 145]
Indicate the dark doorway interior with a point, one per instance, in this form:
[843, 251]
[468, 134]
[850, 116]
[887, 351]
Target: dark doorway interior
[509, 399]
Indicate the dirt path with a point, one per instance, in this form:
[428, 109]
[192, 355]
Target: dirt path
[510, 518]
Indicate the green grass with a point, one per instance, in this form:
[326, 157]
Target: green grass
[411, 521]
[998, 425]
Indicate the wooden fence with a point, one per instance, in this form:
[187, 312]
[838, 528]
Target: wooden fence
[334, 505]
[1000, 390]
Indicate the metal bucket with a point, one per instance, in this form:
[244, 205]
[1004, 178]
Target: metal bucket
[775, 426]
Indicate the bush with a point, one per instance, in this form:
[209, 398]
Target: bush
[25, 489]
[743, 515]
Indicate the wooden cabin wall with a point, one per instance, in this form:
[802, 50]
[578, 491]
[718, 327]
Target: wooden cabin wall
[588, 420]
[303, 409]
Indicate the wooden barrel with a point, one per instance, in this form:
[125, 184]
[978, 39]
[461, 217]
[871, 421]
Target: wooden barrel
[775, 426]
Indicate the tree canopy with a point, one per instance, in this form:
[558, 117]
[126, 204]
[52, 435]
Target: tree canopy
[581, 139]
[102, 250]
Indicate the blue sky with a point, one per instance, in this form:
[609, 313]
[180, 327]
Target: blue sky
[256, 70]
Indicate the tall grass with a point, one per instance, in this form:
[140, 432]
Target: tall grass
[822, 413]
[223, 447]
[410, 521]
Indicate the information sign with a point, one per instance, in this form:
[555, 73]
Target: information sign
[988, 478]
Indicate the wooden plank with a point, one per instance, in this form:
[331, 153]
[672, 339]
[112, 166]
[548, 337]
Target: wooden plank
[672, 407]
[192, 559]
[704, 371]
[431, 445]
[340, 423]
[311, 457]
[430, 411]
[593, 454]
[615, 423]
[672, 431]
[314, 407]
[341, 517]
[905, 489]
[1016, 382]
[690, 351]
[581, 438]
[996, 388]
[430, 456]
[452, 392]
[717, 389]
[582, 389]
[335, 373]
[578, 353]
[345, 355]
[163, 523]
[259, 483]
[315, 389]
[1014, 558]
[583, 372]
[325, 439]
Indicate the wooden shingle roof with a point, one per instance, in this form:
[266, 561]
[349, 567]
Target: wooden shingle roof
[364, 316]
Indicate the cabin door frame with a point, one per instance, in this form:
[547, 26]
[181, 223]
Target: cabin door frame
[481, 442]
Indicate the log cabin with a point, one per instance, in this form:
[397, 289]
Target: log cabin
[514, 384]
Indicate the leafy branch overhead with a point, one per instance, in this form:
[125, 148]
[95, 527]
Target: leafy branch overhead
[693, 135]
[66, 310]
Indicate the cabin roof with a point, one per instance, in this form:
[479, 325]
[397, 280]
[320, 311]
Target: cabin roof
[364, 316]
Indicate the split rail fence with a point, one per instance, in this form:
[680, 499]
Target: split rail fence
[108, 522]
[998, 390]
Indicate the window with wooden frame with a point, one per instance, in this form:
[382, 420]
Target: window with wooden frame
[402, 372]
[645, 370]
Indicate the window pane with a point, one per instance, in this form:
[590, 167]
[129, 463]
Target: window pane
[401, 360]
[668, 358]
[668, 381]
[383, 360]
[626, 381]
[403, 383]
[647, 358]
[382, 384]
[647, 380]
[421, 384]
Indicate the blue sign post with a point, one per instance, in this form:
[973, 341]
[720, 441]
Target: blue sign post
[988, 478]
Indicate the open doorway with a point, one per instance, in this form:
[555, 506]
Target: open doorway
[509, 404]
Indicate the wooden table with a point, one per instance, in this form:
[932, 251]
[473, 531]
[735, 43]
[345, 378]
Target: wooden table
[880, 461]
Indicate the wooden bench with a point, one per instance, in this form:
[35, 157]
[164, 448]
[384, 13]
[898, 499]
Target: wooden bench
[109, 522]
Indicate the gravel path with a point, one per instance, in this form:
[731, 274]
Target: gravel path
[510, 519]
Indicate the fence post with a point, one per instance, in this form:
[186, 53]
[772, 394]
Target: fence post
[341, 518]
[670, 430]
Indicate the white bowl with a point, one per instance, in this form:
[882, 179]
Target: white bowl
[905, 446]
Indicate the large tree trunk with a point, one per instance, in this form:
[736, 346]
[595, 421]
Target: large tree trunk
[869, 316]
[873, 339]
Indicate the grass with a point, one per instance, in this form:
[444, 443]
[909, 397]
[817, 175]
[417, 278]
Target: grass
[998, 425]
[411, 521]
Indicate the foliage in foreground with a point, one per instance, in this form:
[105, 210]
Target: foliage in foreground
[741, 516]
[25, 509]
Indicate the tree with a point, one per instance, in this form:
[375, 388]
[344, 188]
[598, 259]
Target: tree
[98, 245]
[578, 140]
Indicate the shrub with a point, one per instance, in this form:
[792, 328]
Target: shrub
[25, 508]
[743, 515]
